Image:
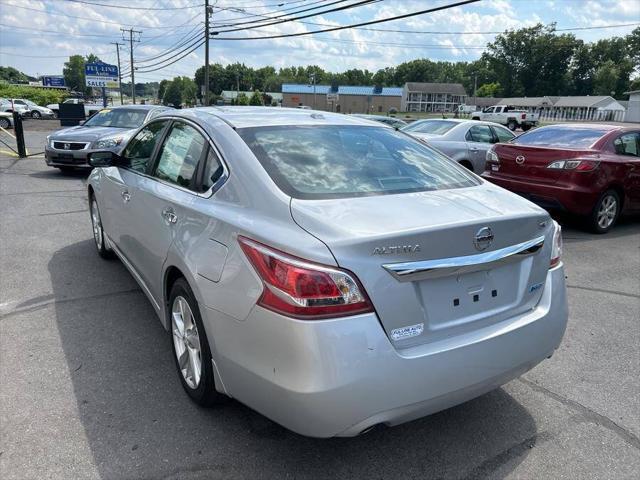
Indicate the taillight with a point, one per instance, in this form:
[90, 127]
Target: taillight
[577, 165]
[492, 156]
[523, 116]
[302, 289]
[556, 249]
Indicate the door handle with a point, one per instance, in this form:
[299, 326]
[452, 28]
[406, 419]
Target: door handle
[169, 215]
[473, 149]
[126, 196]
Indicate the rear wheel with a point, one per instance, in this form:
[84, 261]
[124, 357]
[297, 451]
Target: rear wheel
[512, 125]
[55, 114]
[35, 114]
[606, 212]
[190, 346]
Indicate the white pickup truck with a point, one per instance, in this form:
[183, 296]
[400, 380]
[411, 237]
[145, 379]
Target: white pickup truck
[507, 115]
[89, 108]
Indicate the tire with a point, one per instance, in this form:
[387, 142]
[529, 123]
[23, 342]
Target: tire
[66, 170]
[512, 125]
[5, 123]
[606, 212]
[98, 233]
[36, 114]
[526, 128]
[466, 164]
[475, 118]
[55, 114]
[190, 346]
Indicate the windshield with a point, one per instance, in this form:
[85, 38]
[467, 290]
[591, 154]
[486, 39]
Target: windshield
[433, 127]
[345, 161]
[561, 137]
[120, 118]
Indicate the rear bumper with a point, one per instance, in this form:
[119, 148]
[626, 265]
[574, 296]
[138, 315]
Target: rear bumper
[339, 377]
[66, 158]
[570, 198]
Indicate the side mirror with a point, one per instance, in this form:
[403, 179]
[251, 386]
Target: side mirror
[103, 159]
[81, 122]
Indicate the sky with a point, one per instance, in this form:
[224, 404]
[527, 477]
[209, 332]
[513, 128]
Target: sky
[37, 36]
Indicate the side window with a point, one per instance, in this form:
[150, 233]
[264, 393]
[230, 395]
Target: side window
[480, 133]
[180, 154]
[213, 170]
[503, 134]
[627, 144]
[489, 110]
[141, 147]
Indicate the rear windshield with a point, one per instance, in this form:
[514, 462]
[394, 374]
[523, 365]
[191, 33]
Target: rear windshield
[118, 117]
[318, 162]
[434, 127]
[561, 137]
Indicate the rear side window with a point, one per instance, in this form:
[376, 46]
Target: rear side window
[480, 133]
[628, 144]
[434, 127]
[212, 171]
[345, 161]
[182, 150]
[503, 134]
[567, 137]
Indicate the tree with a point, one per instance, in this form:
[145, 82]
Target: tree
[12, 75]
[605, 79]
[172, 94]
[73, 72]
[256, 98]
[162, 87]
[489, 90]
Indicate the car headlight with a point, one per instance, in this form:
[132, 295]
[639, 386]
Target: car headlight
[109, 142]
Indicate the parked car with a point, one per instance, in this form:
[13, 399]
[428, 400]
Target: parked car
[464, 141]
[109, 128]
[6, 120]
[89, 108]
[507, 115]
[7, 106]
[331, 273]
[33, 109]
[588, 170]
[391, 121]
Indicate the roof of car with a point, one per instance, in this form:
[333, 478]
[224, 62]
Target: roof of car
[247, 116]
[592, 126]
[138, 107]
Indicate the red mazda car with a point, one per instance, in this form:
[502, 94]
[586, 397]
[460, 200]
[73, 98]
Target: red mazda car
[587, 170]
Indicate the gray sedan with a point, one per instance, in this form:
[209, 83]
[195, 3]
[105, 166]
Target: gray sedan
[329, 272]
[465, 141]
[107, 129]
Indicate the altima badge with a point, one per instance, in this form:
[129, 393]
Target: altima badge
[396, 249]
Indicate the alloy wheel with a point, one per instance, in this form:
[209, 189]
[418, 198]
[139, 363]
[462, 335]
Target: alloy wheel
[186, 342]
[97, 224]
[35, 114]
[607, 212]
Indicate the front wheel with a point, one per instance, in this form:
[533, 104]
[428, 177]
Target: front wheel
[512, 125]
[606, 212]
[98, 233]
[190, 346]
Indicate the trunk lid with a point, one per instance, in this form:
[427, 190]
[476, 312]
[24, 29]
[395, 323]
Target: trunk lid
[524, 161]
[372, 236]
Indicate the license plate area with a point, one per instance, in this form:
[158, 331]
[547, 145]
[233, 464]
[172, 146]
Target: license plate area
[469, 297]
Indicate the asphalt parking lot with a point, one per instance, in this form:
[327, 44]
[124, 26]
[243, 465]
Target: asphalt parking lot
[88, 387]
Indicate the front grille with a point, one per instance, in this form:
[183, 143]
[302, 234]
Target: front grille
[69, 145]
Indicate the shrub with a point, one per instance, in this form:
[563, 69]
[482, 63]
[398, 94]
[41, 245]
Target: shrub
[41, 96]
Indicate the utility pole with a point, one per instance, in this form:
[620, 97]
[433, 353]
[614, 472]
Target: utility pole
[119, 70]
[133, 77]
[313, 79]
[207, 12]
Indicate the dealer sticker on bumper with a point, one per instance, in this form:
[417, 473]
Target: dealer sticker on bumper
[407, 332]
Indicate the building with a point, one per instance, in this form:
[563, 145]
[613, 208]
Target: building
[432, 97]
[345, 99]
[589, 108]
[633, 108]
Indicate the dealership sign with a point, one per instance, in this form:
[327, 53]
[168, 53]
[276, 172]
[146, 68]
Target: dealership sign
[101, 75]
[53, 81]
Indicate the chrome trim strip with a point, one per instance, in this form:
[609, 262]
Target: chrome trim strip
[420, 270]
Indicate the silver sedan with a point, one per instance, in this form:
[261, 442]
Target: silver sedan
[465, 141]
[329, 272]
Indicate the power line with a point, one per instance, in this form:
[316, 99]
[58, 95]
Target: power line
[176, 60]
[125, 7]
[165, 34]
[237, 9]
[193, 42]
[56, 32]
[180, 43]
[343, 27]
[286, 20]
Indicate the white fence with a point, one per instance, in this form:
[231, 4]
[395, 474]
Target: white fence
[581, 115]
